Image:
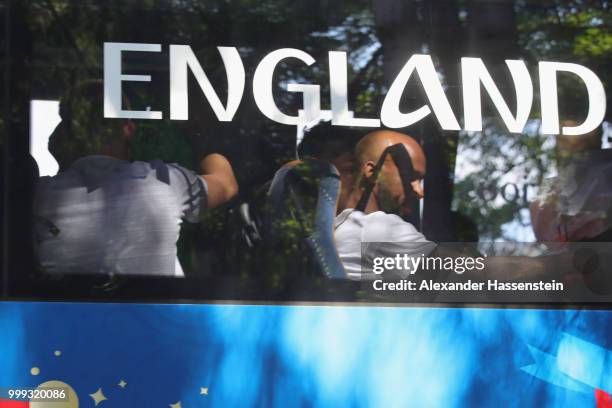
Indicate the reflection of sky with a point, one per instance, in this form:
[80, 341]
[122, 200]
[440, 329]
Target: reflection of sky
[606, 139]
[470, 161]
[520, 228]
[305, 355]
[44, 118]
[362, 24]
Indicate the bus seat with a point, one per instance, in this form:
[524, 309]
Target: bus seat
[299, 214]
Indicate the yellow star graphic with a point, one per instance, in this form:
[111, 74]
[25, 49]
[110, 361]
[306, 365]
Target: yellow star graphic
[177, 405]
[122, 384]
[203, 390]
[98, 396]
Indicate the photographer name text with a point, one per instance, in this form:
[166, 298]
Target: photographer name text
[469, 285]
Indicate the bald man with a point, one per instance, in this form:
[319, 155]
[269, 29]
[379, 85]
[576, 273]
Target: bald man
[379, 220]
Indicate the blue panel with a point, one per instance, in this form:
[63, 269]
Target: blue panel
[308, 355]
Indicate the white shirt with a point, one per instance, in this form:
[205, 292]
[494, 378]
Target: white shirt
[104, 215]
[352, 228]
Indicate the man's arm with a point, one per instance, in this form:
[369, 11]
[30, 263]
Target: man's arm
[219, 176]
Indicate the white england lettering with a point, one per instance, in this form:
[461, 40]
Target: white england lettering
[113, 78]
[262, 88]
[473, 73]
[390, 114]
[182, 59]
[550, 103]
[341, 115]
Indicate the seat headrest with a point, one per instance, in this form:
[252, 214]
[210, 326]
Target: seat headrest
[301, 205]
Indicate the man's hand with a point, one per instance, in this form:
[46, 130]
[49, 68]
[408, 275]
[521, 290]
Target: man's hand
[219, 176]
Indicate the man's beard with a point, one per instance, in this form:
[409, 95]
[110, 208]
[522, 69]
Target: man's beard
[391, 204]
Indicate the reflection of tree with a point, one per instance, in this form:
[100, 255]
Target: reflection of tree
[559, 31]
[59, 43]
[407, 28]
[498, 174]
[574, 31]
[63, 46]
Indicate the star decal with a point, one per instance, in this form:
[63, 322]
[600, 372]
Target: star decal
[122, 384]
[203, 390]
[98, 397]
[177, 405]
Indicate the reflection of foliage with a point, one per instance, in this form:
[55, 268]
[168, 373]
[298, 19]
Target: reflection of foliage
[162, 142]
[492, 159]
[67, 39]
[69, 36]
[290, 219]
[575, 31]
[577, 28]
